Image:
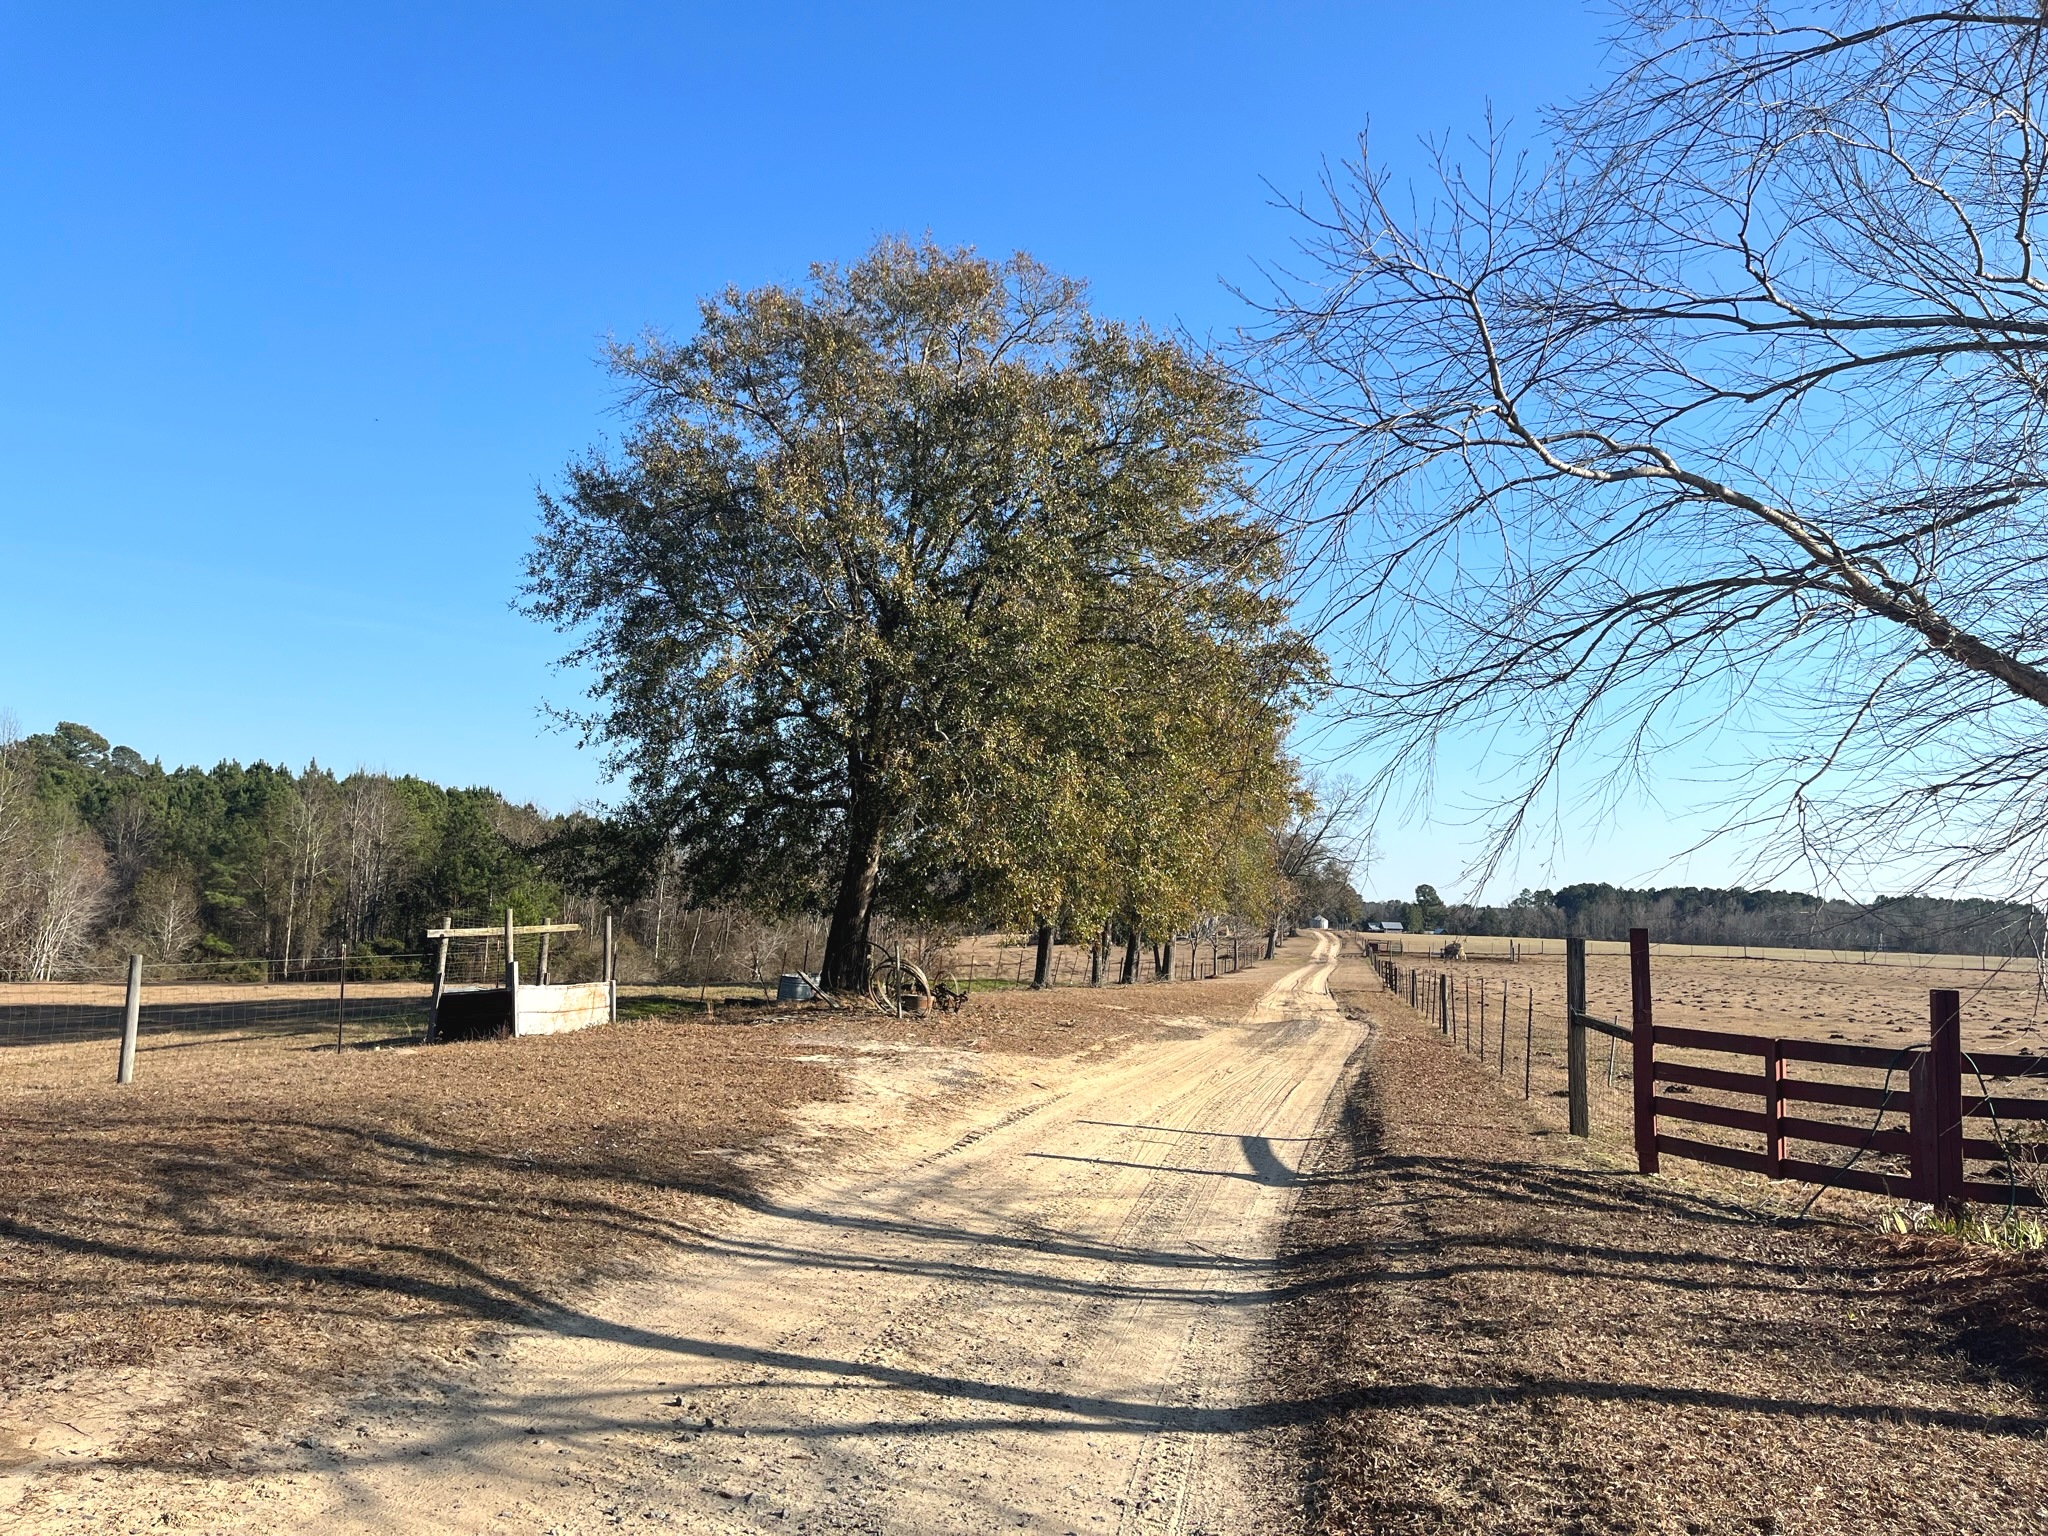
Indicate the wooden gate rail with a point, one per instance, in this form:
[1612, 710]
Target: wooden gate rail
[1775, 1088]
[1928, 1094]
[1923, 1083]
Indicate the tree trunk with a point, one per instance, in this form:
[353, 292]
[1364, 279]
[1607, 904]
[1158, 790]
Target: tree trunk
[1098, 957]
[1272, 939]
[1130, 975]
[1041, 970]
[1166, 962]
[844, 967]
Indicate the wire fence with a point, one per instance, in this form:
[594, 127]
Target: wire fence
[1518, 1030]
[176, 1010]
[1012, 959]
[1497, 947]
[70, 1026]
[1490, 1018]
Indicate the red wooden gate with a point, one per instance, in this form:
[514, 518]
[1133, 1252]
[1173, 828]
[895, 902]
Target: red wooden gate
[1946, 1129]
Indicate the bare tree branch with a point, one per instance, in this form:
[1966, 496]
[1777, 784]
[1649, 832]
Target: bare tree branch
[1719, 421]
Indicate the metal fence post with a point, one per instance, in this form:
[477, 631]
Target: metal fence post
[611, 975]
[1575, 1037]
[1920, 1130]
[440, 980]
[1529, 1045]
[511, 973]
[131, 1021]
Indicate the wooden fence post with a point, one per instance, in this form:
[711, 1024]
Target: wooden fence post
[131, 1022]
[1642, 1046]
[511, 973]
[1443, 1002]
[1774, 1094]
[440, 980]
[1575, 1037]
[1945, 1094]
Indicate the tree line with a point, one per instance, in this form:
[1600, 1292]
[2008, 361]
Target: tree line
[258, 870]
[104, 852]
[1733, 916]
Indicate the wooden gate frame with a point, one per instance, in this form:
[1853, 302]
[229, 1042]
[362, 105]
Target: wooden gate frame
[1936, 1108]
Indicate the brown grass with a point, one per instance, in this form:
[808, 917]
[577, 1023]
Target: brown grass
[258, 1215]
[1498, 1330]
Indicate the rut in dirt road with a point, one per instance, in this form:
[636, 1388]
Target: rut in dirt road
[1049, 1325]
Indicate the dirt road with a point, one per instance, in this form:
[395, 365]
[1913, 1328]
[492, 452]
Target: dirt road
[1046, 1325]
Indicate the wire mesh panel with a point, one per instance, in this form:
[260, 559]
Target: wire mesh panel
[59, 1013]
[187, 1008]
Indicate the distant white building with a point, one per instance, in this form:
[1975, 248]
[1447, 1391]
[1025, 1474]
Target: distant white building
[1319, 922]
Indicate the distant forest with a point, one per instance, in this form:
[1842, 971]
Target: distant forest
[104, 853]
[1707, 915]
[261, 870]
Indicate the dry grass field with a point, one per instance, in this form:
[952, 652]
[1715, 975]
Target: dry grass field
[261, 1214]
[1882, 1002]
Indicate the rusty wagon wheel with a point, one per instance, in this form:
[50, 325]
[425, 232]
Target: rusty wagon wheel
[897, 985]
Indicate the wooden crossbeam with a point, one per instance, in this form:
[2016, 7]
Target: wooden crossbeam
[499, 931]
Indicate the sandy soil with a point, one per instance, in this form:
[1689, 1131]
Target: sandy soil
[1038, 1315]
[1494, 1328]
[185, 1261]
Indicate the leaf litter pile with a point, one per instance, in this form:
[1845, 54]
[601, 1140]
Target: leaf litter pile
[1486, 1327]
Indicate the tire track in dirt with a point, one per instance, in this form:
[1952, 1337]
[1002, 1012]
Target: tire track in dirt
[1048, 1327]
[1045, 1320]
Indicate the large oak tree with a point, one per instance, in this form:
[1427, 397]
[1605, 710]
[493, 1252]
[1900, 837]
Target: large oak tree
[879, 563]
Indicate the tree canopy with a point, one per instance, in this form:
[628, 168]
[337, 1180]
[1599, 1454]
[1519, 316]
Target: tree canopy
[919, 587]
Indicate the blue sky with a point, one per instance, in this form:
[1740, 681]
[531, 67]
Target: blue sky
[301, 302]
